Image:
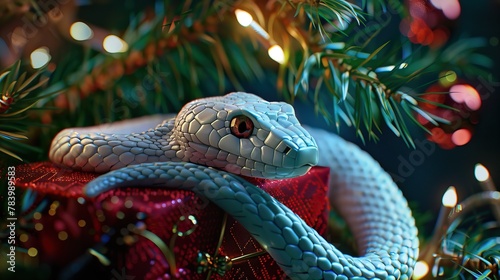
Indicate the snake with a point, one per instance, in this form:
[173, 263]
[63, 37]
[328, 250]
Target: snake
[214, 142]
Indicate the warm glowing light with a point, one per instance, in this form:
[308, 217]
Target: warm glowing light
[466, 94]
[481, 173]
[40, 57]
[243, 17]
[82, 223]
[62, 235]
[277, 54]
[39, 226]
[113, 44]
[23, 237]
[421, 269]
[461, 137]
[32, 252]
[80, 31]
[450, 198]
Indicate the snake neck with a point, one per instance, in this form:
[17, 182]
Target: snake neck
[93, 151]
[165, 143]
[90, 149]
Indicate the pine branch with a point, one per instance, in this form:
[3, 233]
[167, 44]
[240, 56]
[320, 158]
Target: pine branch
[334, 12]
[199, 43]
[364, 85]
[359, 97]
[20, 92]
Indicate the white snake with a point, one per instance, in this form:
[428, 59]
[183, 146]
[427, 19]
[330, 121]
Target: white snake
[243, 134]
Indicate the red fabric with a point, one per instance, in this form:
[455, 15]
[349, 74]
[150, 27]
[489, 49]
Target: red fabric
[129, 225]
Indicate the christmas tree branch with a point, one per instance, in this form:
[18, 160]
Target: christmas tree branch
[20, 92]
[198, 43]
[365, 84]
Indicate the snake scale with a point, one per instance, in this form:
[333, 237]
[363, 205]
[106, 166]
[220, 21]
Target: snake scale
[212, 140]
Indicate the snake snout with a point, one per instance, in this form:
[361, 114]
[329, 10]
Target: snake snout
[307, 156]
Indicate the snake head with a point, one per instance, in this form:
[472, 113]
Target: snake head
[244, 134]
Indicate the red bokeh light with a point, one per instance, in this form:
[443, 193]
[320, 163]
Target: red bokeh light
[463, 101]
[466, 94]
[429, 21]
[461, 137]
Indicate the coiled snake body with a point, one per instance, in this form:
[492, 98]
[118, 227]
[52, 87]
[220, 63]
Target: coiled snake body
[243, 134]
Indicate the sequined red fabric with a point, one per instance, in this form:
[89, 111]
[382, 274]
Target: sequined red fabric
[151, 233]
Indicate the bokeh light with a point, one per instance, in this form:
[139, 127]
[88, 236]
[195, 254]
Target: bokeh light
[461, 137]
[32, 252]
[466, 94]
[18, 38]
[429, 23]
[62, 235]
[40, 57]
[114, 44]
[462, 106]
[448, 78]
[421, 269]
[80, 31]
[451, 8]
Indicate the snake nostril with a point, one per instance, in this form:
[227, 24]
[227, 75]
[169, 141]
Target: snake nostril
[286, 150]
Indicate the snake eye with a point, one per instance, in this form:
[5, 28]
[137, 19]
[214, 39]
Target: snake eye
[241, 126]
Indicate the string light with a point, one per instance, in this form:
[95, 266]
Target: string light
[481, 173]
[450, 197]
[275, 51]
[483, 177]
[80, 31]
[277, 54]
[435, 253]
[40, 57]
[114, 44]
[449, 201]
[244, 18]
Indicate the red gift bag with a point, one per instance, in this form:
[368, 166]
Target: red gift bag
[151, 233]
